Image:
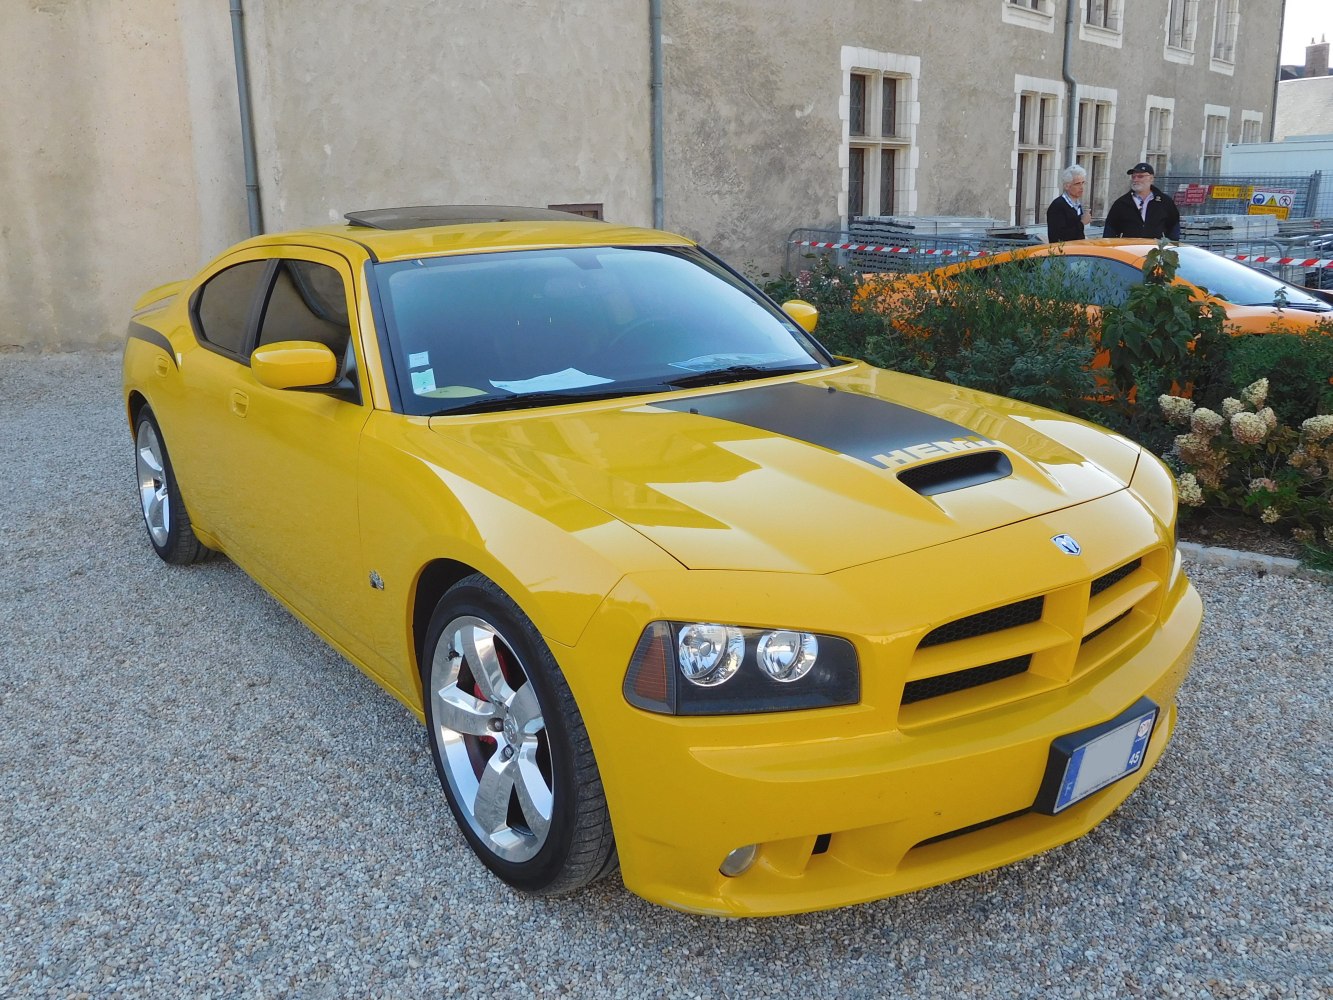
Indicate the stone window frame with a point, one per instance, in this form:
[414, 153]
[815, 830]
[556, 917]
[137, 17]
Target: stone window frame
[877, 65]
[1041, 150]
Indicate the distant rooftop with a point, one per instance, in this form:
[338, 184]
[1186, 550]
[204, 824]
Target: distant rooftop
[1304, 107]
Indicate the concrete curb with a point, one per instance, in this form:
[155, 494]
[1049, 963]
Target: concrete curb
[1255, 561]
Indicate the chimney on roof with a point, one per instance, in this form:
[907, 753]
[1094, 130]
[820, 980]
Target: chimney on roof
[1316, 58]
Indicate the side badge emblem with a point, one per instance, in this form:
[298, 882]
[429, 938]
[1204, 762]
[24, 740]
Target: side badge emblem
[1067, 545]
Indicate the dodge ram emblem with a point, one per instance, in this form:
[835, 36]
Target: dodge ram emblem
[1067, 545]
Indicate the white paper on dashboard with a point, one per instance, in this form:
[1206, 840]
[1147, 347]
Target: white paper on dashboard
[570, 378]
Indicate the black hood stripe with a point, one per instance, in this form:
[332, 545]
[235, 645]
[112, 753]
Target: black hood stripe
[873, 430]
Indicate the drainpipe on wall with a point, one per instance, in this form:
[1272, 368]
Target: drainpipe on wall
[1281, 30]
[247, 128]
[1071, 114]
[659, 167]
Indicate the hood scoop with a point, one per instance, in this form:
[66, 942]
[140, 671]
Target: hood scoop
[956, 473]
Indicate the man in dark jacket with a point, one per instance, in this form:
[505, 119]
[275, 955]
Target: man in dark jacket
[1067, 215]
[1143, 211]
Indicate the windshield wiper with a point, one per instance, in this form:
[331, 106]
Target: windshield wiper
[733, 373]
[524, 400]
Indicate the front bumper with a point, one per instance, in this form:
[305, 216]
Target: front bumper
[855, 804]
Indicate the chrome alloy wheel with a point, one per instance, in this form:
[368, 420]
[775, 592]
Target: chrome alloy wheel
[492, 739]
[153, 495]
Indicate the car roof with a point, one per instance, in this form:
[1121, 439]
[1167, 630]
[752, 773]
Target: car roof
[435, 230]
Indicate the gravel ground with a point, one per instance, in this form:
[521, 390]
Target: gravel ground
[201, 799]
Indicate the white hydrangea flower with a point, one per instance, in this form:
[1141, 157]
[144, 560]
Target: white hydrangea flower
[1269, 417]
[1318, 428]
[1264, 484]
[1190, 493]
[1231, 406]
[1256, 393]
[1176, 409]
[1248, 428]
[1206, 422]
[1270, 515]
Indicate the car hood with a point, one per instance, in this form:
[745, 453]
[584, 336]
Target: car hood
[812, 474]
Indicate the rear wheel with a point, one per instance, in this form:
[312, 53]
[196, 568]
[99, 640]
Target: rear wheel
[510, 746]
[164, 514]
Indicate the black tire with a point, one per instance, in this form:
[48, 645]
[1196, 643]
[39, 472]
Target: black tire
[164, 515]
[510, 746]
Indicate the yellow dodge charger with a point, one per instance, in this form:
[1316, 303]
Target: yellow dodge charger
[673, 589]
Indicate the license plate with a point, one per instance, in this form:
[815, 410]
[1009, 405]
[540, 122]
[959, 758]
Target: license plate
[1087, 761]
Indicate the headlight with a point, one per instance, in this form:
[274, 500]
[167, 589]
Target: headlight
[705, 668]
[709, 654]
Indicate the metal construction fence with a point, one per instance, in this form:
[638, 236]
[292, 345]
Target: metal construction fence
[1281, 197]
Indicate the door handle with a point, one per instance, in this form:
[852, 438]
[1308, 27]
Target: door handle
[240, 402]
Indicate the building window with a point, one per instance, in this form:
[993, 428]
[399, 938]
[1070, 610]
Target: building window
[878, 141]
[1036, 140]
[881, 131]
[1095, 127]
[1037, 14]
[1251, 126]
[1214, 137]
[1226, 26]
[1182, 22]
[1157, 141]
[1103, 14]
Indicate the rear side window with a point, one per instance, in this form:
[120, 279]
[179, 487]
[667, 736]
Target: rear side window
[1097, 280]
[223, 308]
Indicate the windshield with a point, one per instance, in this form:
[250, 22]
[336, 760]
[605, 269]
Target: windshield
[494, 331]
[1233, 282]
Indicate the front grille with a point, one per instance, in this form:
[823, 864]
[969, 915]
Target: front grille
[1114, 577]
[1111, 624]
[994, 620]
[1038, 643]
[961, 680]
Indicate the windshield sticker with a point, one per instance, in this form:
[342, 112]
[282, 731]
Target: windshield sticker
[418, 360]
[453, 392]
[423, 382]
[570, 378]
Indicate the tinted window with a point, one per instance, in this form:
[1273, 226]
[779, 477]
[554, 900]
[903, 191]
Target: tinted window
[1099, 281]
[307, 303]
[597, 321]
[224, 305]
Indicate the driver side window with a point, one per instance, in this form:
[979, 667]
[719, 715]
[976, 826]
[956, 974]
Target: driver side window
[306, 302]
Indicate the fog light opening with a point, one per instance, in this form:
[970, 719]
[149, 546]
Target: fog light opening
[738, 862]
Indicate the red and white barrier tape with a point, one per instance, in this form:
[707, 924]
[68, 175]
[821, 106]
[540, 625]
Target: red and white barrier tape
[870, 248]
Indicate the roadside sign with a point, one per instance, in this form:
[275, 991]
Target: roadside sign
[1191, 194]
[1276, 202]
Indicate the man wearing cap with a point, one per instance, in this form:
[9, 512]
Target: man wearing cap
[1143, 211]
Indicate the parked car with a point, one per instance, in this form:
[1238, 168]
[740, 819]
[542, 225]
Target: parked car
[1101, 272]
[671, 588]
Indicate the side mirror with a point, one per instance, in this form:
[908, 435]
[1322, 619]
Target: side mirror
[293, 364]
[805, 315]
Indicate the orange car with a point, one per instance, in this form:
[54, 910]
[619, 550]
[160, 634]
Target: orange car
[1101, 272]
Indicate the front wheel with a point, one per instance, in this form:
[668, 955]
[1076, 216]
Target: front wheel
[509, 745]
[164, 514]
